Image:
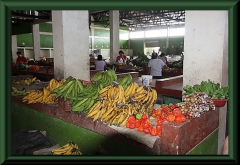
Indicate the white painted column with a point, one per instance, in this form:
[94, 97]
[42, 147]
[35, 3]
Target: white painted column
[114, 35]
[36, 41]
[206, 54]
[71, 44]
[14, 47]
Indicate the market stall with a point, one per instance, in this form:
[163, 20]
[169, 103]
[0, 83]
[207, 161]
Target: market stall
[88, 115]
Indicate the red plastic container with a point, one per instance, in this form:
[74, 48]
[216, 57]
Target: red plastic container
[219, 102]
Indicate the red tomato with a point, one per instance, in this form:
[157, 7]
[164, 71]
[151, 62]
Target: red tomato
[169, 113]
[128, 124]
[140, 129]
[144, 116]
[177, 112]
[160, 133]
[137, 124]
[146, 130]
[132, 125]
[146, 125]
[131, 118]
[158, 112]
[163, 116]
[170, 118]
[178, 119]
[153, 132]
[159, 127]
[183, 118]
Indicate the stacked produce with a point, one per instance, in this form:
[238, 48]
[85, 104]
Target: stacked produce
[70, 148]
[16, 92]
[26, 81]
[81, 96]
[195, 104]
[46, 96]
[211, 88]
[116, 104]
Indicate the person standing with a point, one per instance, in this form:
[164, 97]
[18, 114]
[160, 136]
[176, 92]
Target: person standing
[163, 57]
[100, 63]
[21, 59]
[121, 58]
[155, 67]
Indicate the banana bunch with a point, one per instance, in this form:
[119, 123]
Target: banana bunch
[70, 88]
[130, 90]
[16, 92]
[45, 96]
[125, 81]
[146, 96]
[105, 77]
[70, 148]
[29, 81]
[109, 113]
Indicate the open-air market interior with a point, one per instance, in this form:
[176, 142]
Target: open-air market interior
[132, 106]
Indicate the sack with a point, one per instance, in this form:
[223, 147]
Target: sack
[25, 142]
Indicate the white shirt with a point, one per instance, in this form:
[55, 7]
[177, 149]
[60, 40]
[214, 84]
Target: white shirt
[156, 67]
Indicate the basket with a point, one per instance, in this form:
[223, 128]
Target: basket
[219, 102]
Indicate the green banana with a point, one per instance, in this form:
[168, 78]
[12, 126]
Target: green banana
[80, 102]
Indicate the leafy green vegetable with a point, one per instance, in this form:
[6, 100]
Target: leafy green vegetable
[212, 89]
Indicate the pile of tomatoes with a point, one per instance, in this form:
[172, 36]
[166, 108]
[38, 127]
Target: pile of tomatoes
[169, 113]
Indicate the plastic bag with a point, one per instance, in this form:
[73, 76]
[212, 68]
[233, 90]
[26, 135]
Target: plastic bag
[25, 142]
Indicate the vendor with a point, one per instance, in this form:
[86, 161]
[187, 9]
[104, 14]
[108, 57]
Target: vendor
[121, 58]
[21, 59]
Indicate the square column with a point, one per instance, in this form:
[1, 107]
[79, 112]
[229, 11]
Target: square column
[14, 48]
[206, 54]
[114, 35]
[36, 41]
[71, 44]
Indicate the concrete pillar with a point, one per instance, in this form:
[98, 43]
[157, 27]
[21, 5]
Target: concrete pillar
[36, 41]
[206, 54]
[114, 35]
[14, 47]
[71, 44]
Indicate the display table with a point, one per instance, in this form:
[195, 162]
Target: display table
[177, 139]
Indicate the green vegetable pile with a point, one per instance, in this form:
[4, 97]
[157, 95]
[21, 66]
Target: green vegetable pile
[212, 89]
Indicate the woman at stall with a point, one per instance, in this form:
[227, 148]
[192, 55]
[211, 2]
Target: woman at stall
[100, 63]
[21, 59]
[121, 58]
[163, 57]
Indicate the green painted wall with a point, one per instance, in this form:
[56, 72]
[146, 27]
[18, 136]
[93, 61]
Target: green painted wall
[45, 27]
[137, 46]
[46, 41]
[176, 44]
[208, 147]
[26, 38]
[61, 132]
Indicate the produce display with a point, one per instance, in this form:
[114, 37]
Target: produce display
[211, 88]
[70, 148]
[26, 81]
[44, 96]
[16, 92]
[116, 104]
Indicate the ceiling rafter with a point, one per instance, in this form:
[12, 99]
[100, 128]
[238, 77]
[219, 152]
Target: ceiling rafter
[133, 19]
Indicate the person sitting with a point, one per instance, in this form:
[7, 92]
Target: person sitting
[121, 58]
[21, 59]
[100, 63]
